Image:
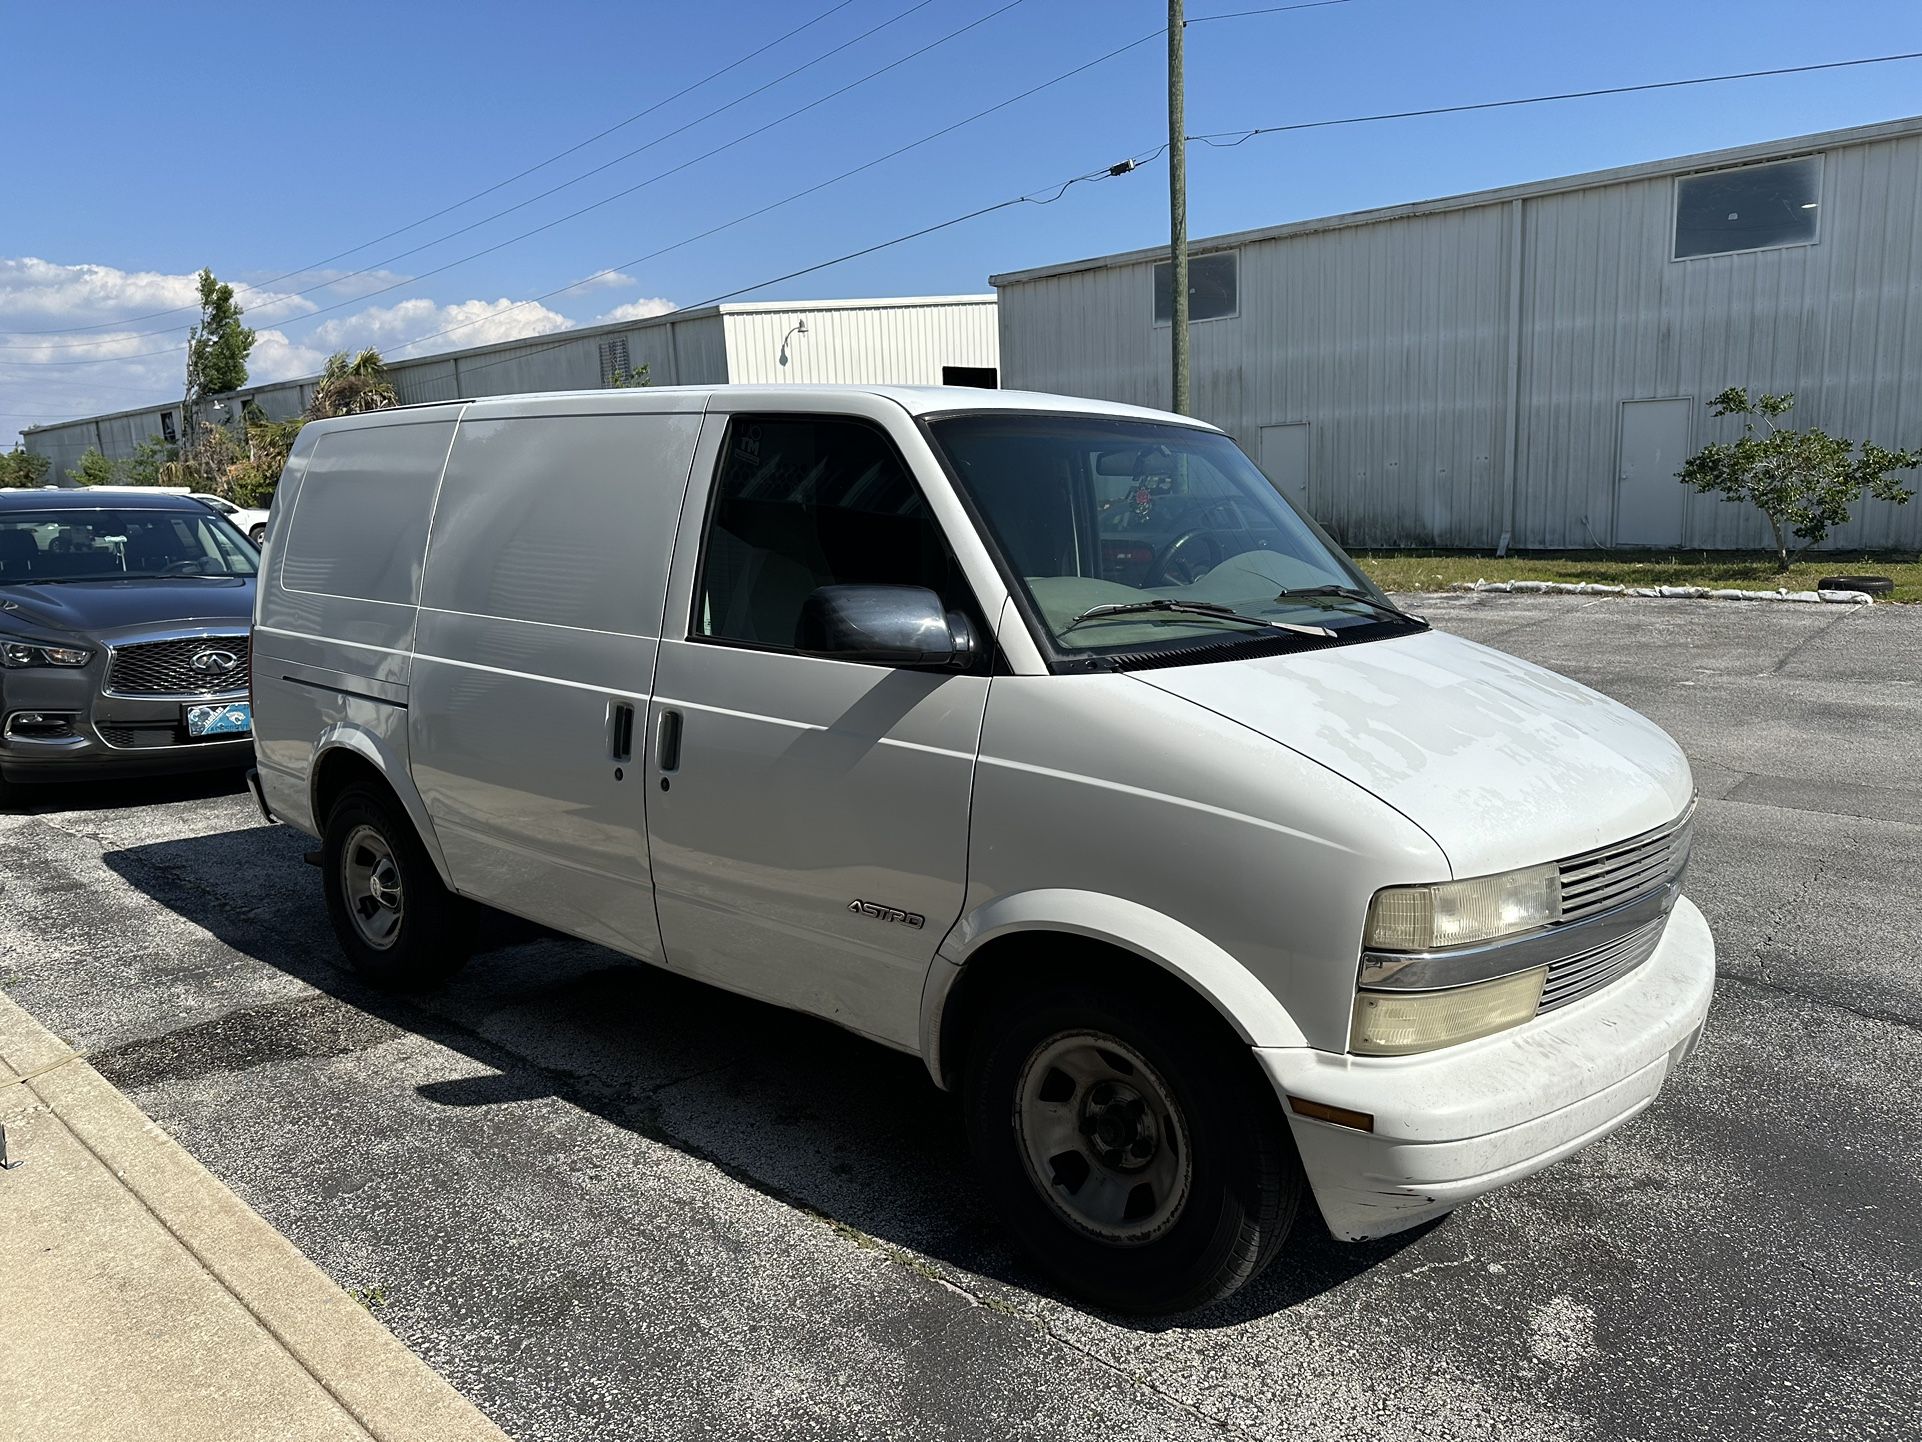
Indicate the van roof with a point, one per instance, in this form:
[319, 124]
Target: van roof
[915, 400]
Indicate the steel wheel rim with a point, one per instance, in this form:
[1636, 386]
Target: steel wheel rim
[370, 885]
[1102, 1138]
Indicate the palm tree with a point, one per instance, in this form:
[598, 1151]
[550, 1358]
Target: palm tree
[351, 385]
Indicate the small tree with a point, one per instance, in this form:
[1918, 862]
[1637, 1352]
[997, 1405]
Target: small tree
[218, 347]
[152, 463]
[628, 379]
[94, 469]
[1805, 482]
[20, 467]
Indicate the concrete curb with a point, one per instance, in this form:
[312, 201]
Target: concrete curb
[379, 1384]
[1666, 593]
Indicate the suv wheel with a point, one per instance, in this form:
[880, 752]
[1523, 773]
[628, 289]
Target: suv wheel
[398, 924]
[1130, 1147]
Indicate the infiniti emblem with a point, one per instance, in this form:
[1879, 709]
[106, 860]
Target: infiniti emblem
[216, 663]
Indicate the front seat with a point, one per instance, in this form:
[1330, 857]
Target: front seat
[18, 552]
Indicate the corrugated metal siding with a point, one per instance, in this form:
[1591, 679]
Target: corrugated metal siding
[871, 345]
[1391, 339]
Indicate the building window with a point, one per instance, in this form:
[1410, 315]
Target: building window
[980, 377]
[614, 360]
[1756, 207]
[1213, 287]
[167, 432]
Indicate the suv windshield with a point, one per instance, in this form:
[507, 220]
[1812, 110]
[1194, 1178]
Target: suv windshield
[118, 545]
[1133, 534]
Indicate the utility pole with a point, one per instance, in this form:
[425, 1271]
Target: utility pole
[1178, 207]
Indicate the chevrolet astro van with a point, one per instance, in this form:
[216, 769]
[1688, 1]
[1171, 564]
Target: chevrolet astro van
[1040, 737]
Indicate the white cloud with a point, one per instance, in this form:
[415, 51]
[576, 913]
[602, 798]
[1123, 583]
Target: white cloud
[143, 361]
[635, 310]
[607, 280]
[389, 328]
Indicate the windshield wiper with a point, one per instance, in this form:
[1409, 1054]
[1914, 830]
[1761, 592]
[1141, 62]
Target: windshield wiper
[1192, 608]
[1349, 593]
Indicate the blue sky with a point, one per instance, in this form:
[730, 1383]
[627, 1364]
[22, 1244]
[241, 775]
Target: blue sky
[145, 142]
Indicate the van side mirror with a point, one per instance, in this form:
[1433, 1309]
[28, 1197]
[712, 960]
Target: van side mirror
[891, 625]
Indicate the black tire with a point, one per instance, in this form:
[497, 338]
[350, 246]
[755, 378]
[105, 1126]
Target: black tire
[370, 849]
[1243, 1184]
[1868, 585]
[258, 535]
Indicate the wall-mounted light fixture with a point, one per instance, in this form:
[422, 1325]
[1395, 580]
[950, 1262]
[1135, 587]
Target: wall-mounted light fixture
[800, 327]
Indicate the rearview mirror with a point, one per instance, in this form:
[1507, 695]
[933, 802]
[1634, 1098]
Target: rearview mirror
[888, 625]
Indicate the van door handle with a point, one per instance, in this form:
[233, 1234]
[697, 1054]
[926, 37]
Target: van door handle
[667, 742]
[620, 726]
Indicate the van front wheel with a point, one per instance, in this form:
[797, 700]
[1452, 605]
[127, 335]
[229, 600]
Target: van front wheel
[1130, 1148]
[399, 926]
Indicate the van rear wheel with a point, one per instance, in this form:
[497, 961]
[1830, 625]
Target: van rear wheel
[399, 926]
[1130, 1147]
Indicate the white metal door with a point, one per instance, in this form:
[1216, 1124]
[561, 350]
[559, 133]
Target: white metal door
[1648, 499]
[1284, 459]
[808, 817]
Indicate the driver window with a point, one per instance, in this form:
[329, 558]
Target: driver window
[807, 501]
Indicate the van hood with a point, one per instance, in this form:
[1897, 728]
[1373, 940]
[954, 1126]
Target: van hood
[92, 607]
[1502, 762]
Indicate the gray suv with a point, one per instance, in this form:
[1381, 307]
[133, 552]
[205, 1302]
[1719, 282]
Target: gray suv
[123, 636]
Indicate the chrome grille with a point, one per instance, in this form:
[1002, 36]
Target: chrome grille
[166, 668]
[1604, 878]
[1574, 977]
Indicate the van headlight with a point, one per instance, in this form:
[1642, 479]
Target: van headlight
[16, 655]
[1388, 1023]
[1460, 913]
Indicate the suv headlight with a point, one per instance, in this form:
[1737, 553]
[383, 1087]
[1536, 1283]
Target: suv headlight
[16, 655]
[1461, 913]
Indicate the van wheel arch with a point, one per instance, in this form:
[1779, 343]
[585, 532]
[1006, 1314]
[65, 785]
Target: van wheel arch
[1033, 959]
[337, 768]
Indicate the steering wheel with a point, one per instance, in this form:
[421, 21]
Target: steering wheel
[183, 568]
[1179, 563]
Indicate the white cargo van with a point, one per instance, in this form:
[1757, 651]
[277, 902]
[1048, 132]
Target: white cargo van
[1040, 737]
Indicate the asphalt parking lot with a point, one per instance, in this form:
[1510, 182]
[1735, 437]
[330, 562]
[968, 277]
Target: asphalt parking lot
[607, 1203]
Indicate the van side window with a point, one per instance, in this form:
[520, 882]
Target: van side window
[802, 502]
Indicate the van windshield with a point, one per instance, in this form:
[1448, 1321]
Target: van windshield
[94, 544]
[1136, 535]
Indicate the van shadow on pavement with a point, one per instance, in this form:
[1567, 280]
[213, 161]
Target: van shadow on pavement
[786, 1104]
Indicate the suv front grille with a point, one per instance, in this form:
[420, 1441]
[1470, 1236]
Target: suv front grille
[168, 668]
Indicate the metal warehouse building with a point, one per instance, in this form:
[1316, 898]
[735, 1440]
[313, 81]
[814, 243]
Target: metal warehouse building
[912, 340]
[1529, 365]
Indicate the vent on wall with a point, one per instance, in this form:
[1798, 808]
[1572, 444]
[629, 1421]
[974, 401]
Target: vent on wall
[614, 359]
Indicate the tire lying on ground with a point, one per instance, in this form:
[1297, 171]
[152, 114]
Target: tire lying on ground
[1868, 585]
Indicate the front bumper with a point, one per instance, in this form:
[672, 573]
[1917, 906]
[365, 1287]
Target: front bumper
[109, 735]
[1454, 1123]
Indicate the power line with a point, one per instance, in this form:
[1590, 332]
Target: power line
[1266, 10]
[1125, 167]
[500, 184]
[810, 190]
[1221, 142]
[575, 214]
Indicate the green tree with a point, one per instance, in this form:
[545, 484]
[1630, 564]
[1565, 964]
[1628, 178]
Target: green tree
[624, 380]
[94, 469]
[218, 347]
[152, 463]
[353, 385]
[1806, 482]
[21, 467]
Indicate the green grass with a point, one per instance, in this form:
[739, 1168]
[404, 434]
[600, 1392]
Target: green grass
[1721, 570]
